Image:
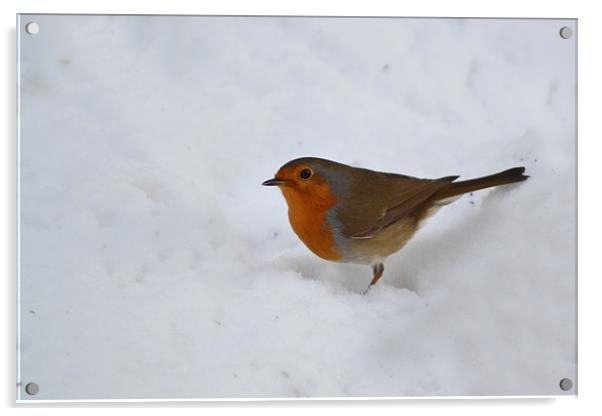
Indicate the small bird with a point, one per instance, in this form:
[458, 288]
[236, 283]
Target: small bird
[355, 215]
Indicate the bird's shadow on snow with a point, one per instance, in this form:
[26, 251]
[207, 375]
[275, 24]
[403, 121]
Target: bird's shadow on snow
[412, 267]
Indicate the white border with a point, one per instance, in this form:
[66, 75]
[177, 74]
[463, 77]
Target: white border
[589, 184]
[295, 399]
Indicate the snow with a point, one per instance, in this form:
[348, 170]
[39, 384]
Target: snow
[154, 265]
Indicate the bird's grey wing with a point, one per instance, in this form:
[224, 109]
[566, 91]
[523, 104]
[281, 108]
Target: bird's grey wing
[404, 196]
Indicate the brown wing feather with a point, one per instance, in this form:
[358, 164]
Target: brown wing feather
[378, 199]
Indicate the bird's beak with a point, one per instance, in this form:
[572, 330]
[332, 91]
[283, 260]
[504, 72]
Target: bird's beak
[274, 182]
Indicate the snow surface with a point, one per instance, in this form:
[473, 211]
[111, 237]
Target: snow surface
[154, 265]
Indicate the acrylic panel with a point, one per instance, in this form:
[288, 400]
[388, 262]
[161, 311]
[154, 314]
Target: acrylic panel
[153, 264]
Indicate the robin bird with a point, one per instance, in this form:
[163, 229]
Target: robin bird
[354, 215]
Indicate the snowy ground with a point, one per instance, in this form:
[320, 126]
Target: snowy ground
[154, 265]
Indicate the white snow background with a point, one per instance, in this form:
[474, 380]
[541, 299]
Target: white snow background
[154, 265]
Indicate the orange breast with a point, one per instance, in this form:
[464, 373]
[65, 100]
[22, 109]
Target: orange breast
[307, 215]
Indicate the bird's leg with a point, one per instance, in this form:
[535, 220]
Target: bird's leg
[377, 272]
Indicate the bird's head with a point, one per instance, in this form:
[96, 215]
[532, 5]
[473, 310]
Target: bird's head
[306, 181]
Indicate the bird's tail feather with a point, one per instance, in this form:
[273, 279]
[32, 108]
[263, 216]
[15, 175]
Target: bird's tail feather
[501, 178]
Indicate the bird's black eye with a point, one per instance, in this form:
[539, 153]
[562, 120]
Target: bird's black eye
[305, 173]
